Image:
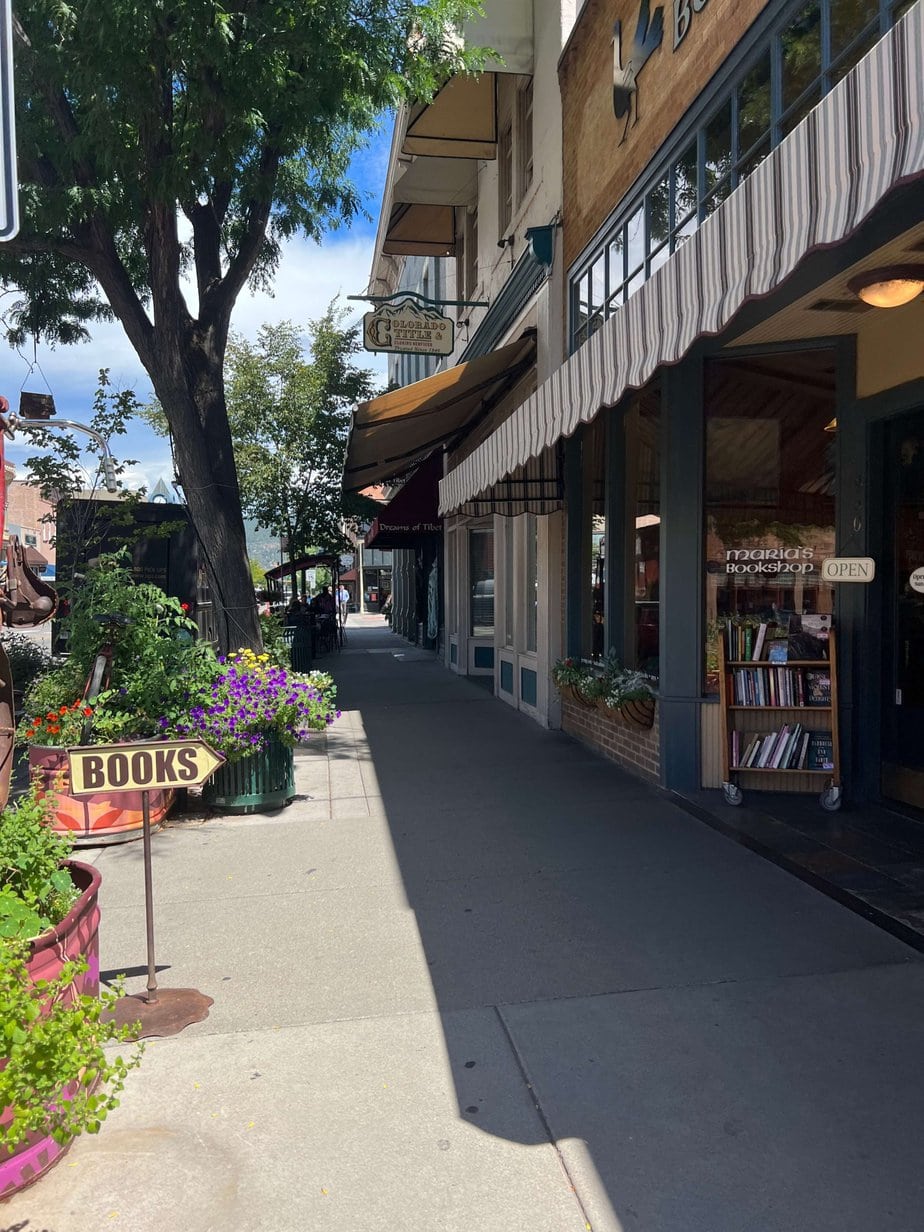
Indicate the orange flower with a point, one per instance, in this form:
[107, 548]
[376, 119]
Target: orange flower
[51, 716]
[36, 722]
[63, 710]
[53, 728]
[87, 711]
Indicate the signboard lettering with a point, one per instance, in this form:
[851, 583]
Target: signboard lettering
[141, 766]
[916, 581]
[770, 560]
[848, 569]
[408, 329]
[683, 18]
[648, 36]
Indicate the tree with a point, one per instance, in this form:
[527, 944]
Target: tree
[290, 419]
[165, 152]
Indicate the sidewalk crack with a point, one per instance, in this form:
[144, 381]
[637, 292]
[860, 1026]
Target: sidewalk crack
[540, 1112]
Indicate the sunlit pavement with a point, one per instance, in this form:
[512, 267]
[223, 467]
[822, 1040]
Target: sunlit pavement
[476, 979]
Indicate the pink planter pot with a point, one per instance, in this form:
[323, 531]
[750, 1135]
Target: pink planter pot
[78, 933]
[100, 818]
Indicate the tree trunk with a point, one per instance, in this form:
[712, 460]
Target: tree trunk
[190, 388]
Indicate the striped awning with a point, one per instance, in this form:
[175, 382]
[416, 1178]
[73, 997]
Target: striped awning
[864, 139]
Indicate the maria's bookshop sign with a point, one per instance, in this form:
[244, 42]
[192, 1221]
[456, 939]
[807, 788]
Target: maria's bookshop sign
[408, 329]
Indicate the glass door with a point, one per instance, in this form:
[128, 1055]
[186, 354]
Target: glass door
[903, 579]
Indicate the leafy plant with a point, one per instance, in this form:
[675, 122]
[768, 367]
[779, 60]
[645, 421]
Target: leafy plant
[576, 674]
[57, 1077]
[35, 891]
[28, 660]
[156, 662]
[626, 685]
[250, 699]
[56, 728]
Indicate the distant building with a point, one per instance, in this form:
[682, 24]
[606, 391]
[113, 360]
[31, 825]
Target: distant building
[30, 518]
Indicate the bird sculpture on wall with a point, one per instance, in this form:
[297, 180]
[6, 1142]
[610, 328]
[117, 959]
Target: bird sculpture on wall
[649, 31]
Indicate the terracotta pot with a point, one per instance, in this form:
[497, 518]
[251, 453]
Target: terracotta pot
[78, 933]
[91, 820]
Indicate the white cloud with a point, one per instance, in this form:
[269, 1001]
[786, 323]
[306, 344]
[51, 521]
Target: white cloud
[308, 278]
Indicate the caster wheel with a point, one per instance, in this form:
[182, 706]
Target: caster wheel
[831, 799]
[732, 793]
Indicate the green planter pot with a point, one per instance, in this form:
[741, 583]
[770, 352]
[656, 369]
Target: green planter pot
[255, 784]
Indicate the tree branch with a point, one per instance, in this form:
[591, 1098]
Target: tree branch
[221, 297]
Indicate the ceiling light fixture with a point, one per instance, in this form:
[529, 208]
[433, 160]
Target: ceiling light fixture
[889, 287]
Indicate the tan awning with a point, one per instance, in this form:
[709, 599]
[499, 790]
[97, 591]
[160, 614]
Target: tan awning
[459, 122]
[393, 432]
[421, 231]
[436, 181]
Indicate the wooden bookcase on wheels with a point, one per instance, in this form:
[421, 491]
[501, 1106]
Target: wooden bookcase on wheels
[782, 712]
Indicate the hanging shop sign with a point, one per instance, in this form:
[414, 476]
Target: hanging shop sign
[848, 569]
[141, 766]
[408, 329]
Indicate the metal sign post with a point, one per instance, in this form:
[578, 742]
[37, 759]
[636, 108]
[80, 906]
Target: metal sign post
[144, 766]
[9, 183]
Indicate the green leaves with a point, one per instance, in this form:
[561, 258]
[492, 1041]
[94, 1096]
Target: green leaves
[57, 1077]
[289, 415]
[35, 892]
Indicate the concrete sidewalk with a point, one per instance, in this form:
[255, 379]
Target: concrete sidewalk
[476, 979]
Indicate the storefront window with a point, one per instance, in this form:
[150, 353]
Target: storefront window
[643, 428]
[810, 49]
[509, 583]
[481, 582]
[531, 592]
[769, 492]
[594, 641]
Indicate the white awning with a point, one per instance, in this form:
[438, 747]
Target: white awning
[864, 139]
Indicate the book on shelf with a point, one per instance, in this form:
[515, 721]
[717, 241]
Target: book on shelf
[783, 749]
[759, 639]
[777, 651]
[809, 635]
[820, 752]
[817, 688]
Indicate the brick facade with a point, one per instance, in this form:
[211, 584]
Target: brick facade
[598, 170]
[634, 748]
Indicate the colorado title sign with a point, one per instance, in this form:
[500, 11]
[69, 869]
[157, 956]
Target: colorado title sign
[408, 329]
[142, 766]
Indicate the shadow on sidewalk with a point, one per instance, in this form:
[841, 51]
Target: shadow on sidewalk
[707, 1042]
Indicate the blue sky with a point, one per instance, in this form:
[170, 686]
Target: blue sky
[309, 276]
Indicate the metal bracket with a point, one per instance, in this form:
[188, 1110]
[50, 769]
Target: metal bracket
[423, 299]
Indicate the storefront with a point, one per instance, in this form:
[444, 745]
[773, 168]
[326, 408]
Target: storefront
[733, 415]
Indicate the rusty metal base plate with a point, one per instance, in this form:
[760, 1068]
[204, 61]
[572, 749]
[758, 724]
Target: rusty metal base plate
[174, 1009]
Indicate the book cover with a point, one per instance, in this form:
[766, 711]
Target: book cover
[820, 752]
[817, 688]
[759, 642]
[803, 751]
[777, 651]
[779, 747]
[808, 636]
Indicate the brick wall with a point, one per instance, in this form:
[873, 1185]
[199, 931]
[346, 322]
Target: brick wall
[597, 169]
[634, 748]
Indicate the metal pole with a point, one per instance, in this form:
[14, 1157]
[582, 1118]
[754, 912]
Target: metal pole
[148, 897]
